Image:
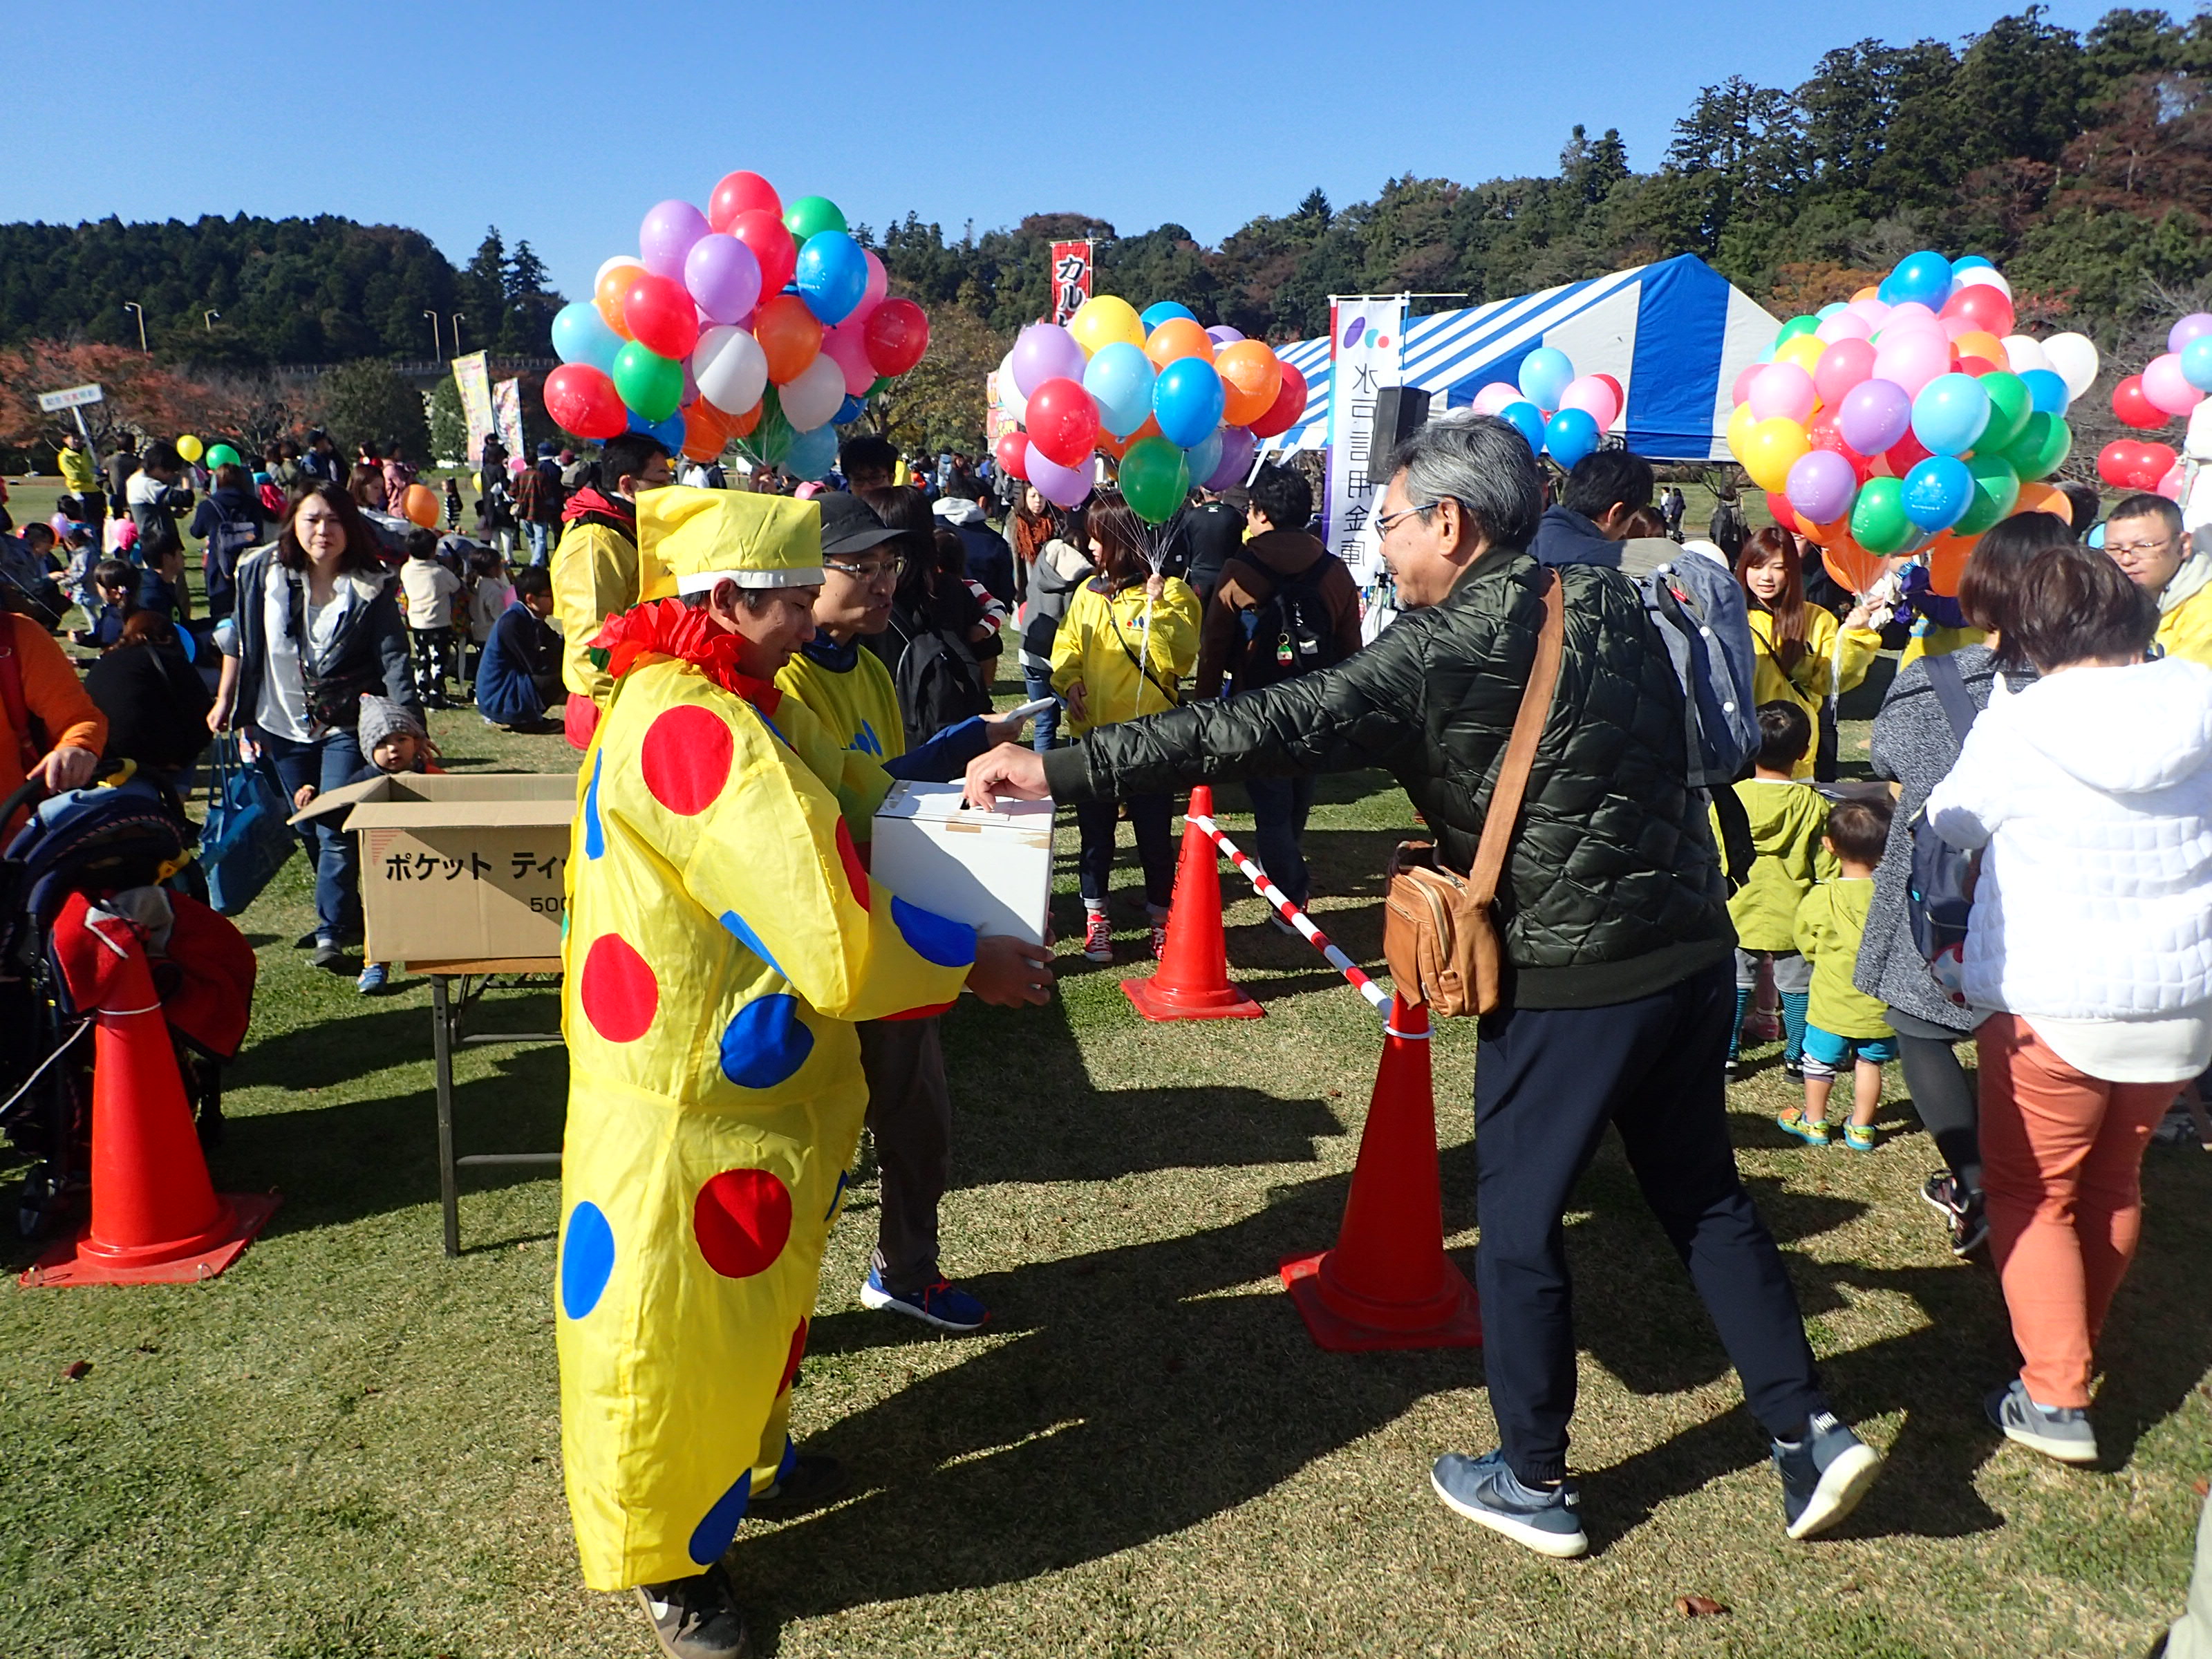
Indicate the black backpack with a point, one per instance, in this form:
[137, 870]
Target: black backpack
[1939, 891]
[233, 535]
[938, 681]
[1290, 632]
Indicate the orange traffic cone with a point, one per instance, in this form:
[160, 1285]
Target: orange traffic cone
[156, 1218]
[1192, 982]
[1389, 1284]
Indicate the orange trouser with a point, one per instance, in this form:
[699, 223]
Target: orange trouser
[2062, 1159]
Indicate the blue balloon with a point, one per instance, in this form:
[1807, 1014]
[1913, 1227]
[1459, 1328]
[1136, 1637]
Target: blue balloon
[1571, 435]
[1153, 315]
[1187, 401]
[1938, 492]
[1833, 308]
[1925, 276]
[811, 454]
[2046, 390]
[1546, 373]
[832, 275]
[581, 335]
[1950, 414]
[1120, 381]
[668, 434]
[1967, 262]
[1204, 457]
[2196, 362]
[849, 411]
[1526, 419]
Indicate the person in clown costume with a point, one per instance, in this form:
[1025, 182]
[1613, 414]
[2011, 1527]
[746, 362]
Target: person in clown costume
[723, 936]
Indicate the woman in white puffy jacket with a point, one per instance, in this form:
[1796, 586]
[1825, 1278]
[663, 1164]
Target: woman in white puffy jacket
[2089, 796]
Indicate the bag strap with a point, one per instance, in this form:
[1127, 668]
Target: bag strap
[1505, 809]
[1949, 686]
[1143, 667]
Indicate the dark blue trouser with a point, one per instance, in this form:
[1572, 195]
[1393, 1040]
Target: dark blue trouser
[1280, 806]
[1546, 1082]
[326, 762]
[1037, 682]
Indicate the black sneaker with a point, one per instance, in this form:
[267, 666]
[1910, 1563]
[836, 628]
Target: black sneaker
[1794, 1070]
[1970, 1225]
[695, 1617]
[328, 953]
[1824, 1475]
[308, 941]
[814, 1478]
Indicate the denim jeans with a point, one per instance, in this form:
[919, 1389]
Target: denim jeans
[1037, 683]
[1153, 818]
[541, 540]
[1280, 806]
[326, 762]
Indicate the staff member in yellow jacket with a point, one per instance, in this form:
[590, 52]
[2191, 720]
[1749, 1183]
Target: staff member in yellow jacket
[595, 573]
[722, 937]
[2145, 538]
[1129, 635]
[1801, 655]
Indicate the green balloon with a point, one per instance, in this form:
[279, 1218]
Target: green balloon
[219, 455]
[1796, 326]
[2010, 404]
[2042, 446]
[1155, 479]
[651, 385]
[1996, 488]
[810, 216]
[882, 381]
[1878, 523]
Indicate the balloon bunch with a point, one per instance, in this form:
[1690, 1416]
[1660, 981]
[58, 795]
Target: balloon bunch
[1171, 402]
[757, 320]
[1909, 418]
[1555, 409]
[2172, 383]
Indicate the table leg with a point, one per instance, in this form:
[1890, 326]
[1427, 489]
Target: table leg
[448, 1178]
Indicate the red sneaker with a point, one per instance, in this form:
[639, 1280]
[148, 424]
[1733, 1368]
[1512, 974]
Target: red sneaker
[1097, 938]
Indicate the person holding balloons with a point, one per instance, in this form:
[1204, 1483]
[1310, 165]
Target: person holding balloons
[2145, 538]
[1802, 656]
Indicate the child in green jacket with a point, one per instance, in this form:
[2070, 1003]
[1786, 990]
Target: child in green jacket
[1787, 819]
[1845, 1027]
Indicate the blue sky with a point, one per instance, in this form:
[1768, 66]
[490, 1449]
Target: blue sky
[562, 122]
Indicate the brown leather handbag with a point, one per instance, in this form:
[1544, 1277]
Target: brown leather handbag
[1439, 931]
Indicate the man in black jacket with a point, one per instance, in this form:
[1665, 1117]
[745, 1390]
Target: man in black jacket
[1615, 933]
[1591, 519]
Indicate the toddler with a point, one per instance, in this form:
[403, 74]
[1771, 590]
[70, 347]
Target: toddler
[488, 592]
[1844, 1026]
[430, 587]
[1787, 819]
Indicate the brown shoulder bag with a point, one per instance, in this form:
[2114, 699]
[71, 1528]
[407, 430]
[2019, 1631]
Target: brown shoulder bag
[1440, 932]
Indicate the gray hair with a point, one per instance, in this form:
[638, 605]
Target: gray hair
[1482, 463]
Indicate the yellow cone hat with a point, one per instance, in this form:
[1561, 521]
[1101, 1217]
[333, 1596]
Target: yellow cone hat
[687, 540]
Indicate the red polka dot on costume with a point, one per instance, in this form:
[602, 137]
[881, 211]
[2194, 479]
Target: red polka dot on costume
[798, 1353]
[855, 871]
[619, 993]
[741, 1219]
[685, 758]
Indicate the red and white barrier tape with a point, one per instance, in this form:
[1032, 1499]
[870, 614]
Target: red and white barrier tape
[1290, 912]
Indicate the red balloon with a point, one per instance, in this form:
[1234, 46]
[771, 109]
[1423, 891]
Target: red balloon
[742, 192]
[1062, 421]
[1290, 403]
[1619, 397]
[581, 399]
[661, 316]
[2116, 463]
[1785, 516]
[1012, 453]
[2136, 409]
[2152, 463]
[763, 233]
[896, 333]
[1983, 305]
[1905, 455]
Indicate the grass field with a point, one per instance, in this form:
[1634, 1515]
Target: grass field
[348, 1445]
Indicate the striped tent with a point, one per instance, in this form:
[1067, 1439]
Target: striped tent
[1674, 334]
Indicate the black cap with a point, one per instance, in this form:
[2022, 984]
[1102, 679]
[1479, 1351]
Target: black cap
[849, 525]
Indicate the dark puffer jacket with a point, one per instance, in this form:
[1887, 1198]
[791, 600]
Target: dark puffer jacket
[1615, 892]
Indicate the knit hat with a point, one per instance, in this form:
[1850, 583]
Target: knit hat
[687, 540]
[382, 718]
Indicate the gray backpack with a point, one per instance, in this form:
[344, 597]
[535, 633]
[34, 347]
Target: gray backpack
[1698, 610]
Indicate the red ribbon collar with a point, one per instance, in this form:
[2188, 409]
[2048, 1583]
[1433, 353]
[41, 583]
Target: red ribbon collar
[670, 628]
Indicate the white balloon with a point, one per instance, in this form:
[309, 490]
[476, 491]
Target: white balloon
[2024, 352]
[730, 369]
[608, 265]
[1984, 276]
[2075, 358]
[1010, 395]
[814, 397]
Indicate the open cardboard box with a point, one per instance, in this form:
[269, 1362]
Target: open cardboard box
[458, 868]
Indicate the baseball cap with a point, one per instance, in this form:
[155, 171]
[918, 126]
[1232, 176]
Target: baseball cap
[849, 525]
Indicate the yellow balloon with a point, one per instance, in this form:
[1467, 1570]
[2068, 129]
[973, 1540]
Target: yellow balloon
[189, 447]
[1804, 351]
[1769, 451]
[1104, 319]
[1740, 424]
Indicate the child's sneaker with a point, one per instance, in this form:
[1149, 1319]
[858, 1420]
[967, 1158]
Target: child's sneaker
[1859, 1137]
[1794, 1122]
[1097, 937]
[1159, 940]
[372, 979]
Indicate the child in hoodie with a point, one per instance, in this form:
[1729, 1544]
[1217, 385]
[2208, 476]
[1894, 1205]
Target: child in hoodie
[1788, 819]
[1844, 1026]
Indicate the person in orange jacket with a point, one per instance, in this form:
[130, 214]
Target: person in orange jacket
[48, 724]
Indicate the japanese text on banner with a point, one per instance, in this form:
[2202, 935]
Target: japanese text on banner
[1365, 359]
[1071, 268]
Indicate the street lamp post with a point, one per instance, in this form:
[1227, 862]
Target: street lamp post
[457, 331]
[139, 311]
[436, 338]
[208, 319]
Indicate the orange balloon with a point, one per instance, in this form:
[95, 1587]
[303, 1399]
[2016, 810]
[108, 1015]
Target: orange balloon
[2044, 498]
[705, 436]
[741, 426]
[1852, 564]
[1868, 294]
[1824, 535]
[1112, 447]
[1979, 343]
[789, 335]
[607, 296]
[1947, 562]
[420, 504]
[1251, 376]
[1179, 337]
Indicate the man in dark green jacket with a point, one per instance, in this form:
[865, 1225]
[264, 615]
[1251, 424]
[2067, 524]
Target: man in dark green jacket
[1620, 988]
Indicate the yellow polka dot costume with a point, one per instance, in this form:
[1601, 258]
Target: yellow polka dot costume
[722, 937]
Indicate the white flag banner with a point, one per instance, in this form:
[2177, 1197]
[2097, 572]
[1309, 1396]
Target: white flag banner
[1366, 351]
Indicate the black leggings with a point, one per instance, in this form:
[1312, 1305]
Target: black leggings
[1941, 1095]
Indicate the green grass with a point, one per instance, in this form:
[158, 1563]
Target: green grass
[348, 1445]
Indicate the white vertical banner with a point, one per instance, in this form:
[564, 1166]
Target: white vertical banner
[1366, 356]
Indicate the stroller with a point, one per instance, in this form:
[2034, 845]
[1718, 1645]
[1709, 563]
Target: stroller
[106, 840]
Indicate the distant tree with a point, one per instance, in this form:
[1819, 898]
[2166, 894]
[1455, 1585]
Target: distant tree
[449, 424]
[369, 402]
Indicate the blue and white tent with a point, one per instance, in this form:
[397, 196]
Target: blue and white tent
[1674, 334]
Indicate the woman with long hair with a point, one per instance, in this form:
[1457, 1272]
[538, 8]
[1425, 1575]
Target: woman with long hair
[1802, 655]
[1129, 636]
[928, 600]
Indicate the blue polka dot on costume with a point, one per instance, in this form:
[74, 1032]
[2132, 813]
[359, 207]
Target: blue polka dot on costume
[844, 1180]
[587, 1260]
[934, 939]
[712, 1538]
[765, 1042]
[745, 936]
[595, 836]
[783, 1470]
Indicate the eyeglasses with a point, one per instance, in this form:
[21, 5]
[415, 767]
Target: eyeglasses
[2139, 548]
[868, 574]
[1385, 522]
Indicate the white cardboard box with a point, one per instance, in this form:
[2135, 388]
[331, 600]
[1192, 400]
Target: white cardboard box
[990, 869]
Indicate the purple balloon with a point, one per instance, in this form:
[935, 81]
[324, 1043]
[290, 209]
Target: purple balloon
[666, 235]
[1063, 486]
[723, 275]
[1046, 351]
[1237, 445]
[1221, 334]
[1873, 415]
[1820, 486]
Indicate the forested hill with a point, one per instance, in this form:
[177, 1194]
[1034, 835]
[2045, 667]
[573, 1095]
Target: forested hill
[317, 290]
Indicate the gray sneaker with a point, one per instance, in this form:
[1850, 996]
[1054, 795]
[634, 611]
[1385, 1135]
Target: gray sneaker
[695, 1617]
[1823, 1475]
[2063, 1432]
[1485, 1489]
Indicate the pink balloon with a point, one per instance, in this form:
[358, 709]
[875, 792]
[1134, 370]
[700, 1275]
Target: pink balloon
[1844, 325]
[879, 284]
[2170, 485]
[2167, 387]
[847, 345]
[1594, 397]
[1063, 486]
[1783, 391]
[1875, 311]
[1842, 367]
[1912, 311]
[1493, 397]
[667, 234]
[1911, 360]
[1742, 389]
[1955, 326]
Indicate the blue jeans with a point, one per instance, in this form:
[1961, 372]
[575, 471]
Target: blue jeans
[541, 540]
[326, 762]
[1037, 682]
[1280, 806]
